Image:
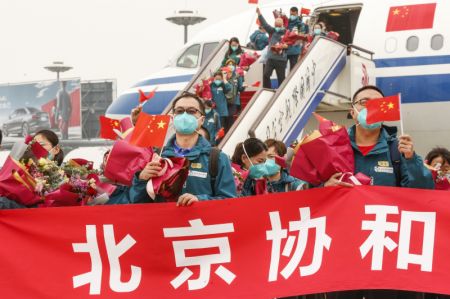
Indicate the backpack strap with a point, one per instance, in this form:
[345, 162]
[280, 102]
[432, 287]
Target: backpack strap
[396, 160]
[213, 167]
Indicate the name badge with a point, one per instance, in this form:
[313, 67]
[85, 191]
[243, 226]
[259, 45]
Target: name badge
[220, 89]
[198, 174]
[384, 169]
[196, 165]
[383, 163]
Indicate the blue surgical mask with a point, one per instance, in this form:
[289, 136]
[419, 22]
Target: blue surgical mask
[258, 171]
[317, 31]
[217, 82]
[272, 167]
[185, 123]
[362, 120]
[232, 67]
[293, 18]
[208, 111]
[234, 48]
[277, 29]
[50, 156]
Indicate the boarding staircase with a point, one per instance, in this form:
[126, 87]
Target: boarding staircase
[325, 78]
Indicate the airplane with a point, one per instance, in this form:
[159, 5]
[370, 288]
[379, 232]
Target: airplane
[412, 61]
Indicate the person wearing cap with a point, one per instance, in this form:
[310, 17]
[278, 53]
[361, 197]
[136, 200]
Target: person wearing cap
[237, 82]
[212, 122]
[219, 87]
[276, 60]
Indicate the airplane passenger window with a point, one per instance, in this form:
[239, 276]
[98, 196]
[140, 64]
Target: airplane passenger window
[208, 48]
[391, 45]
[412, 43]
[437, 42]
[189, 59]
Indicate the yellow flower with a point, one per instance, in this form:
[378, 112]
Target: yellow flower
[42, 161]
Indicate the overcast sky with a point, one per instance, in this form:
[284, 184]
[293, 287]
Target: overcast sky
[121, 39]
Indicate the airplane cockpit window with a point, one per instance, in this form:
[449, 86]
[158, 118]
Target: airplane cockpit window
[189, 59]
[341, 19]
[437, 42]
[412, 43]
[208, 48]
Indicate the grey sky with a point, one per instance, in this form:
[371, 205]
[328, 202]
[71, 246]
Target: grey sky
[122, 39]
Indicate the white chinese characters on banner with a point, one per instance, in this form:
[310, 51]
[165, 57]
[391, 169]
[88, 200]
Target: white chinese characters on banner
[205, 262]
[277, 234]
[377, 239]
[114, 252]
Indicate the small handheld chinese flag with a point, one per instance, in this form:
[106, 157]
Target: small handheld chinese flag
[107, 127]
[150, 130]
[143, 97]
[220, 134]
[305, 11]
[256, 84]
[384, 109]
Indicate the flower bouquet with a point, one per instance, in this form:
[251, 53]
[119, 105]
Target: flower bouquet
[169, 183]
[125, 160]
[325, 152]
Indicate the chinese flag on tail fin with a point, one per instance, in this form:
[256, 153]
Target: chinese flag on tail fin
[384, 109]
[253, 1]
[411, 17]
[107, 126]
[150, 130]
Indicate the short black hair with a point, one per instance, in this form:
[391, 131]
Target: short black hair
[1, 136]
[294, 8]
[54, 141]
[373, 87]
[218, 73]
[208, 103]
[279, 146]
[253, 147]
[190, 95]
[438, 152]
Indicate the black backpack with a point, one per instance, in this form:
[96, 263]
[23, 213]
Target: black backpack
[396, 161]
[395, 155]
[213, 167]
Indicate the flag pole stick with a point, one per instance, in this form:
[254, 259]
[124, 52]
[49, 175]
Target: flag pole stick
[401, 117]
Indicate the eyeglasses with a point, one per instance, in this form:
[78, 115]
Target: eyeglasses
[188, 110]
[362, 102]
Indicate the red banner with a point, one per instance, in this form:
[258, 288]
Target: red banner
[268, 246]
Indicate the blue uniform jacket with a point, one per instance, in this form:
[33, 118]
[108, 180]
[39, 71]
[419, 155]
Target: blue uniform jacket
[198, 182]
[136, 193]
[218, 96]
[260, 39]
[212, 124]
[377, 164]
[286, 183]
